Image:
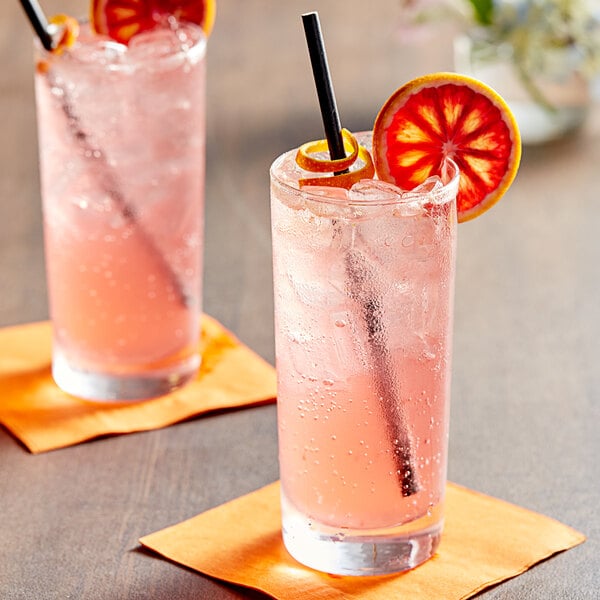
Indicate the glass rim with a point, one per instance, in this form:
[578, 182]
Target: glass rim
[450, 180]
[196, 51]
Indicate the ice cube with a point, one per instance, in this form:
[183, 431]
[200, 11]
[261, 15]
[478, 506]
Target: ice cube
[333, 204]
[405, 204]
[104, 52]
[372, 190]
[161, 43]
[151, 44]
[431, 184]
[327, 192]
[112, 53]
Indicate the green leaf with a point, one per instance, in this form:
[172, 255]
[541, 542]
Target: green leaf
[484, 11]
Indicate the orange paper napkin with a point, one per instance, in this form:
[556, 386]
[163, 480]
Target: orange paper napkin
[43, 417]
[485, 541]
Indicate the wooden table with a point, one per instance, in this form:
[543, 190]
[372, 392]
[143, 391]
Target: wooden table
[526, 387]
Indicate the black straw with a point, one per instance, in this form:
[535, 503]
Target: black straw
[38, 22]
[102, 168]
[361, 280]
[327, 103]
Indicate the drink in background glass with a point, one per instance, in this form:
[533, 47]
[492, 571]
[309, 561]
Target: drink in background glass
[363, 318]
[121, 141]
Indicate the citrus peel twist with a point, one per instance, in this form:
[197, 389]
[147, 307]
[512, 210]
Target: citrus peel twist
[65, 31]
[68, 29]
[342, 177]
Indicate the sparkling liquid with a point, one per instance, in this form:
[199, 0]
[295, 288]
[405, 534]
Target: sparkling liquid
[363, 296]
[121, 138]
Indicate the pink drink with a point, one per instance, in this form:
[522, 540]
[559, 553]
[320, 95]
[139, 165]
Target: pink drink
[121, 137]
[363, 304]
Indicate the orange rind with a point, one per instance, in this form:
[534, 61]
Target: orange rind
[447, 115]
[306, 160]
[68, 28]
[342, 176]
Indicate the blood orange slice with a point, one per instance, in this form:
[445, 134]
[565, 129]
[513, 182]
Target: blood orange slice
[122, 19]
[447, 115]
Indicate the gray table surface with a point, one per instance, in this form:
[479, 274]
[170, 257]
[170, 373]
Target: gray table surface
[526, 383]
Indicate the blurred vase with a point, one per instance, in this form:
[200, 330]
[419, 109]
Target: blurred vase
[547, 105]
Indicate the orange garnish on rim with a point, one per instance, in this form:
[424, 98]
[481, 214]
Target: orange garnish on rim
[122, 19]
[69, 30]
[306, 160]
[447, 115]
[342, 176]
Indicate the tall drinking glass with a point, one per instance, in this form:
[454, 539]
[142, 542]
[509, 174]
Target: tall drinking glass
[364, 285]
[121, 143]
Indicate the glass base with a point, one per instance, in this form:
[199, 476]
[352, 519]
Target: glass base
[115, 387]
[343, 552]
